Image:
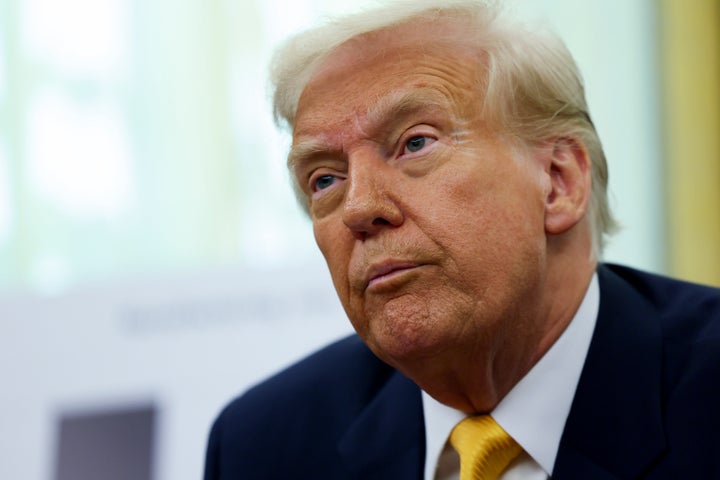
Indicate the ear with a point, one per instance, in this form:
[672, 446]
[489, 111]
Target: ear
[569, 171]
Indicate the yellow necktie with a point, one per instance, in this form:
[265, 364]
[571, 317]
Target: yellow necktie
[485, 449]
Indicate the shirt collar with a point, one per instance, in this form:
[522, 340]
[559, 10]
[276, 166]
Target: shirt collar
[535, 410]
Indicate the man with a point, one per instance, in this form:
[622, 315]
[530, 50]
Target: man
[456, 187]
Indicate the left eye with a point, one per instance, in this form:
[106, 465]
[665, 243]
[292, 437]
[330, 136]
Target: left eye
[415, 144]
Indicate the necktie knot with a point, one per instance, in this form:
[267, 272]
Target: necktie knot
[485, 449]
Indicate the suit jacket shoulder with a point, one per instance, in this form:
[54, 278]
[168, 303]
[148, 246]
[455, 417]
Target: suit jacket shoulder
[646, 403]
[336, 414]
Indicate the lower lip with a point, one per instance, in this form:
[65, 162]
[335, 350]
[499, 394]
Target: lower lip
[389, 279]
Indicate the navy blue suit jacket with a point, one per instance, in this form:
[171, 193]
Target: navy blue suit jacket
[647, 405]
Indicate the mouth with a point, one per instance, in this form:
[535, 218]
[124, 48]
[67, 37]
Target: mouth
[383, 274]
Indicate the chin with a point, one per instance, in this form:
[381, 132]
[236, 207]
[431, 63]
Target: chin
[407, 345]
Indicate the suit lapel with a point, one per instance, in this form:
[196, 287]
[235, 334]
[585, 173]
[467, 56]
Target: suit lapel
[387, 441]
[614, 429]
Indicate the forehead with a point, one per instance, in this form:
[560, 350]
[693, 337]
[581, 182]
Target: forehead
[433, 59]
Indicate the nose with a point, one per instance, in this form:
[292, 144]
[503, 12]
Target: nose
[369, 204]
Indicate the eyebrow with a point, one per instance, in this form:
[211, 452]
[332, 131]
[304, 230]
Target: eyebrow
[388, 108]
[303, 150]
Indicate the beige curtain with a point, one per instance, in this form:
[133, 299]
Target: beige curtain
[690, 56]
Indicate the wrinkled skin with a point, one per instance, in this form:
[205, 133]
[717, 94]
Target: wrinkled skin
[459, 256]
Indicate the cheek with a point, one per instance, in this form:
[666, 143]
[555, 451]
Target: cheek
[486, 213]
[329, 240]
[335, 245]
[460, 202]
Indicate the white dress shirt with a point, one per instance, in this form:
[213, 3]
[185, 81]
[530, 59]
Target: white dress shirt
[533, 412]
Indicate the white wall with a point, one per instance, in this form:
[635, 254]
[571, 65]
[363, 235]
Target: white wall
[187, 345]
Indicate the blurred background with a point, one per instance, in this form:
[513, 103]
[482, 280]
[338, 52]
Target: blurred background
[153, 262]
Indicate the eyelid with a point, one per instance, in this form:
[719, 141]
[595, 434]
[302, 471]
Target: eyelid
[311, 167]
[319, 173]
[422, 130]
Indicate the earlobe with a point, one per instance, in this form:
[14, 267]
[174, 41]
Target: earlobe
[569, 195]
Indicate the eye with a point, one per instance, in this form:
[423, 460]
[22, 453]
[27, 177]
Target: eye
[417, 143]
[323, 182]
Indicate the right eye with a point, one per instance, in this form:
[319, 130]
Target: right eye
[322, 182]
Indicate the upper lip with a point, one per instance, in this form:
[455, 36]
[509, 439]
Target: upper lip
[378, 270]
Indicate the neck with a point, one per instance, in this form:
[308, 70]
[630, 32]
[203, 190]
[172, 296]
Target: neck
[481, 377]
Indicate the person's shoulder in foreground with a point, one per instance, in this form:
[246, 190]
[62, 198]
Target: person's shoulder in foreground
[308, 420]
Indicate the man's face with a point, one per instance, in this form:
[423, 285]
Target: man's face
[432, 225]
